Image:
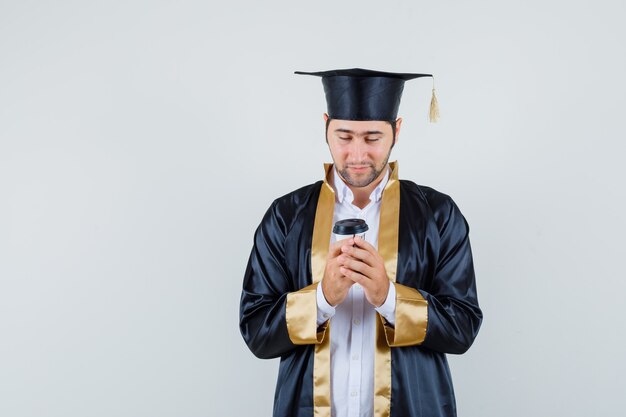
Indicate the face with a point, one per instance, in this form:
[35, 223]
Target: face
[360, 149]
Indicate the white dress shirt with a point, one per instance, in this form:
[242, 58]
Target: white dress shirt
[353, 322]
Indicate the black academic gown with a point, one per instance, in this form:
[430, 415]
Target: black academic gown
[434, 257]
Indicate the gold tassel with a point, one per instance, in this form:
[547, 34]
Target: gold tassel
[433, 116]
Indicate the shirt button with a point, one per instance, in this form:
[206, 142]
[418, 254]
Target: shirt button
[354, 394]
[355, 357]
[325, 316]
[357, 322]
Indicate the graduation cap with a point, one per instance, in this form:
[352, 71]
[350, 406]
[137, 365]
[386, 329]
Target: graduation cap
[361, 94]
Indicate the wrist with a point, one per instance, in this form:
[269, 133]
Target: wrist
[381, 301]
[329, 300]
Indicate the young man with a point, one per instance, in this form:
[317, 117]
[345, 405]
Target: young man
[361, 325]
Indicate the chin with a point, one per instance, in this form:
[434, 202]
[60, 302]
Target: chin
[361, 182]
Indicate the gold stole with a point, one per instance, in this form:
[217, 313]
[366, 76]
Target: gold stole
[388, 249]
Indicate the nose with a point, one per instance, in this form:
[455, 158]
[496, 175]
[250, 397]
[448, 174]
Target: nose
[358, 151]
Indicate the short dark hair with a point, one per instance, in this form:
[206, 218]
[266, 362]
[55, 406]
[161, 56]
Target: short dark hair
[391, 122]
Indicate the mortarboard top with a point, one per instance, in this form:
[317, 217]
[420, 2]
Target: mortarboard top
[361, 94]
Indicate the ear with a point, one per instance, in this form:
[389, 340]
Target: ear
[326, 127]
[398, 125]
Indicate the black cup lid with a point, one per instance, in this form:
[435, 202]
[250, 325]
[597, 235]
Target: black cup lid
[350, 227]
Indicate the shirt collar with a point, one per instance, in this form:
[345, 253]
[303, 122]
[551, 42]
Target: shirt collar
[344, 193]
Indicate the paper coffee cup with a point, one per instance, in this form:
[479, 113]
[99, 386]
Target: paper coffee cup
[349, 228]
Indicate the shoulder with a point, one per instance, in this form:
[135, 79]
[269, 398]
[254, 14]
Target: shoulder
[298, 198]
[436, 200]
[440, 205]
[284, 210]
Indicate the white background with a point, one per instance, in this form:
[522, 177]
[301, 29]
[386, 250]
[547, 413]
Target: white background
[142, 141]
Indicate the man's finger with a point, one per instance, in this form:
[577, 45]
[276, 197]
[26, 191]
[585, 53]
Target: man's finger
[335, 248]
[364, 244]
[360, 254]
[358, 266]
[356, 277]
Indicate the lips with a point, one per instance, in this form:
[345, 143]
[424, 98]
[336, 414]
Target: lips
[359, 168]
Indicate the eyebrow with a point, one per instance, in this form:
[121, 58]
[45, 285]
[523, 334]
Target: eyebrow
[366, 133]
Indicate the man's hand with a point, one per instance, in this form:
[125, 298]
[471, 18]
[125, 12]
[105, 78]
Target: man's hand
[335, 285]
[366, 267]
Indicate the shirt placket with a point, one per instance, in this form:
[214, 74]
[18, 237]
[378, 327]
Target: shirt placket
[356, 343]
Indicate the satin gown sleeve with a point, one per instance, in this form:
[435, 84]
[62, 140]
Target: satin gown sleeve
[454, 316]
[275, 316]
[437, 304]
